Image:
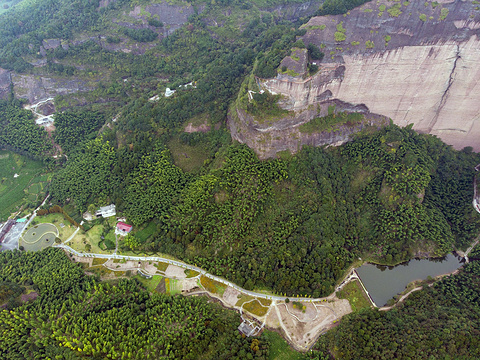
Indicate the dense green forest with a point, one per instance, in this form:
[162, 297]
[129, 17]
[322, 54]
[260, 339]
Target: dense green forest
[386, 196]
[75, 317]
[19, 132]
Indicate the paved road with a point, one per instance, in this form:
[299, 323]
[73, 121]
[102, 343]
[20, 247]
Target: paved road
[190, 267]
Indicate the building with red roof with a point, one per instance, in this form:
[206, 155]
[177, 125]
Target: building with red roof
[123, 228]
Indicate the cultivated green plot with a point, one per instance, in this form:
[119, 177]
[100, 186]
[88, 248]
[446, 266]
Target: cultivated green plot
[150, 284]
[21, 186]
[279, 349]
[173, 286]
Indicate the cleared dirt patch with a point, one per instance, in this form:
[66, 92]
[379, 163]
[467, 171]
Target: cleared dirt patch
[150, 268]
[27, 297]
[175, 272]
[230, 296]
[189, 284]
[305, 312]
[127, 265]
[303, 328]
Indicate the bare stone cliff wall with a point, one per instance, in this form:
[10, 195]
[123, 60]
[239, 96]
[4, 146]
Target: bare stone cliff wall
[416, 63]
[435, 87]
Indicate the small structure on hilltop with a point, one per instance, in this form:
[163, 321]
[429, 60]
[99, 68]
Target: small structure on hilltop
[106, 211]
[169, 92]
[123, 229]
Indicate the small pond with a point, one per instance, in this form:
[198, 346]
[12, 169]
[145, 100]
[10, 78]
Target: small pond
[384, 282]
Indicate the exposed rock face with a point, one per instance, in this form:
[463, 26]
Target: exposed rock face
[295, 11]
[413, 62]
[37, 88]
[268, 138]
[5, 81]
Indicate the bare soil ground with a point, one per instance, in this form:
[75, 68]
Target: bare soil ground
[309, 314]
[27, 297]
[81, 259]
[189, 284]
[149, 268]
[230, 296]
[175, 272]
[128, 265]
[302, 329]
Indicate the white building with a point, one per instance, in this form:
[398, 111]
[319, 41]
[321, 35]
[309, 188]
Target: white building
[106, 211]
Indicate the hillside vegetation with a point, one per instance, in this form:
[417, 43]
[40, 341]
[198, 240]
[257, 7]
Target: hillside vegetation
[387, 196]
[77, 317]
[291, 225]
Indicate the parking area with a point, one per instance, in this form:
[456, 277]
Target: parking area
[11, 239]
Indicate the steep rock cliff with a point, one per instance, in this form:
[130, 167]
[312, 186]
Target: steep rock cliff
[267, 138]
[414, 62]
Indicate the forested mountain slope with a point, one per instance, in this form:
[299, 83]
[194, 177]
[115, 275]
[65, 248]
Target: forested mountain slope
[76, 317]
[140, 92]
[388, 195]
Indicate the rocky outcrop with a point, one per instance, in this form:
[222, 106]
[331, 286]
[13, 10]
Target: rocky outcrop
[35, 88]
[267, 138]
[5, 81]
[414, 62]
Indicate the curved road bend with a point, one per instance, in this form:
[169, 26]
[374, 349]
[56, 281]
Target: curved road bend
[190, 267]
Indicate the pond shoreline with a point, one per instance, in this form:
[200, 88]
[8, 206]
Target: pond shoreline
[383, 283]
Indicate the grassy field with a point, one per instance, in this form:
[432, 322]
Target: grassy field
[279, 349]
[161, 266]
[173, 286]
[243, 299]
[188, 158]
[212, 286]
[91, 237]
[25, 189]
[256, 307]
[149, 284]
[354, 293]
[191, 273]
[98, 261]
[57, 219]
[146, 232]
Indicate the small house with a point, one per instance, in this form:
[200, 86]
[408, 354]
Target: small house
[106, 211]
[123, 229]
